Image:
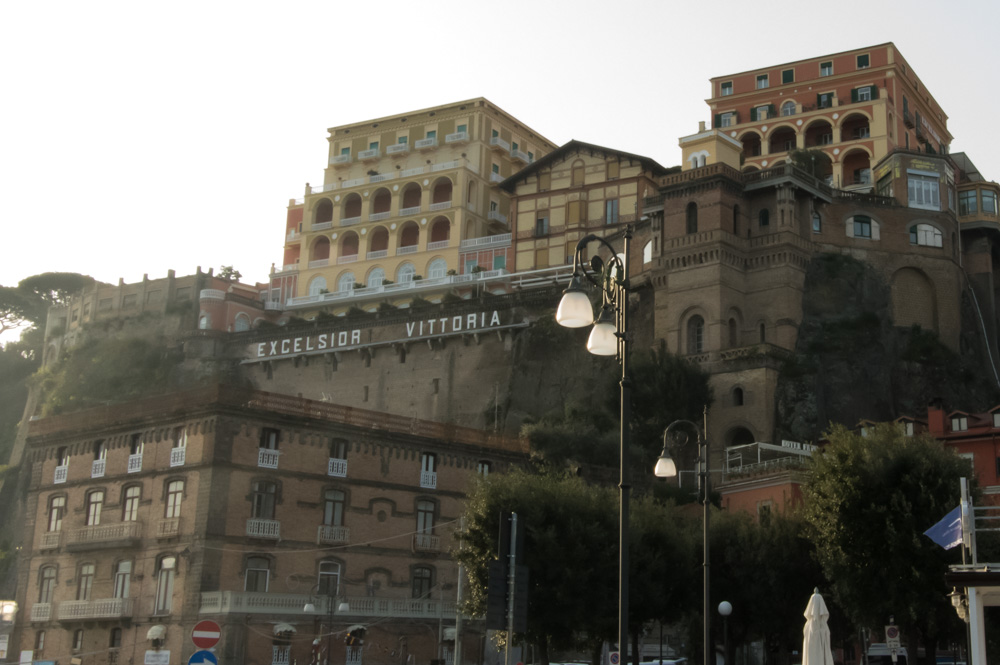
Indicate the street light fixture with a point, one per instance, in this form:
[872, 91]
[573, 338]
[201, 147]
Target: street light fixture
[667, 468]
[310, 608]
[725, 609]
[609, 337]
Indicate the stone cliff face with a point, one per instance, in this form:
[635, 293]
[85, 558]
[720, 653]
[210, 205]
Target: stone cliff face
[850, 362]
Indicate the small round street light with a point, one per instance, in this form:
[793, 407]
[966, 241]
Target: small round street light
[725, 609]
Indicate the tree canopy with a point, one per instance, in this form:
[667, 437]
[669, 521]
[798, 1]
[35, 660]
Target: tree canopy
[868, 501]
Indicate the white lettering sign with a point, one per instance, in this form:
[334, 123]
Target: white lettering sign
[161, 657]
[795, 445]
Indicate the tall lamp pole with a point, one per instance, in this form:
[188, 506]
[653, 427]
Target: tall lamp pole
[609, 337]
[310, 608]
[667, 468]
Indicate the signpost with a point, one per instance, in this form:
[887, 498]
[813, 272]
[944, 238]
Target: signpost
[206, 634]
[203, 658]
[614, 658]
[892, 641]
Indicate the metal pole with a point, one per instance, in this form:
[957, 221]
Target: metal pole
[706, 489]
[458, 604]
[329, 635]
[512, 563]
[621, 293]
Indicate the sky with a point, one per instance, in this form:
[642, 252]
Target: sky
[139, 137]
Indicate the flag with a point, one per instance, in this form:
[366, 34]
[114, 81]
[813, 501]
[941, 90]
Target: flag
[948, 532]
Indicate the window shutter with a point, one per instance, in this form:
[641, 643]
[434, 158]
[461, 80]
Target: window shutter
[770, 111]
[753, 114]
[718, 120]
[819, 100]
[874, 91]
[854, 95]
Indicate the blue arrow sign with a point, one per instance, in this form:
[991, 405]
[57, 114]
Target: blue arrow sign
[203, 658]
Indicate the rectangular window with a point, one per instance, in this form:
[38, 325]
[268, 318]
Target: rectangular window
[483, 467]
[826, 68]
[57, 507]
[960, 424]
[373, 145]
[924, 191]
[762, 81]
[611, 211]
[461, 129]
[123, 574]
[130, 506]
[432, 134]
[759, 113]
[727, 119]
[269, 438]
[864, 94]
[967, 202]
[884, 187]
[513, 145]
[428, 462]
[495, 134]
[165, 585]
[499, 262]
[345, 151]
[863, 61]
[862, 226]
[495, 168]
[95, 501]
[788, 76]
[175, 494]
[996, 419]
[614, 170]
[542, 225]
[824, 100]
[862, 133]
[727, 88]
[403, 140]
[333, 508]
[826, 139]
[989, 201]
[85, 583]
[544, 182]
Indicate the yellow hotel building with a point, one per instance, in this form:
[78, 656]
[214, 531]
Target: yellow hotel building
[408, 202]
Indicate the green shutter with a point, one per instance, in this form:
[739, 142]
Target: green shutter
[753, 114]
[854, 95]
[770, 111]
[874, 91]
[819, 101]
[718, 120]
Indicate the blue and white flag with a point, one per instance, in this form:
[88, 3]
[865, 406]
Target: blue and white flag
[948, 532]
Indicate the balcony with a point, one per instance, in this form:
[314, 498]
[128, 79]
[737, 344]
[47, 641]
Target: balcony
[177, 456]
[106, 608]
[321, 226]
[908, 118]
[406, 173]
[457, 137]
[168, 527]
[487, 241]
[50, 540]
[352, 183]
[104, 535]
[61, 473]
[350, 258]
[379, 216]
[429, 479]
[292, 236]
[411, 249]
[331, 535]
[336, 467]
[443, 205]
[367, 155]
[398, 149]
[520, 155]
[340, 160]
[425, 542]
[412, 210]
[41, 611]
[280, 655]
[135, 463]
[444, 166]
[377, 254]
[97, 468]
[246, 602]
[439, 244]
[496, 216]
[265, 529]
[319, 263]
[268, 458]
[498, 143]
[290, 267]
[426, 144]
[212, 294]
[496, 177]
[350, 221]
[381, 177]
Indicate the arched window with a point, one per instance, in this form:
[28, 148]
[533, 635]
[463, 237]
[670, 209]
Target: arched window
[734, 338]
[925, 235]
[346, 281]
[204, 322]
[57, 508]
[165, 570]
[692, 217]
[376, 277]
[405, 273]
[85, 582]
[736, 220]
[46, 584]
[263, 498]
[763, 217]
[425, 516]
[242, 323]
[788, 108]
[737, 396]
[437, 268]
[761, 330]
[257, 574]
[324, 211]
[423, 581]
[862, 226]
[130, 503]
[817, 223]
[123, 578]
[95, 501]
[317, 286]
[329, 578]
[695, 334]
[175, 494]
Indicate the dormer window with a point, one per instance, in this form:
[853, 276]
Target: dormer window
[960, 424]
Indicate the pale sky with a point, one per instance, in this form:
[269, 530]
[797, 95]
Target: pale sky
[140, 136]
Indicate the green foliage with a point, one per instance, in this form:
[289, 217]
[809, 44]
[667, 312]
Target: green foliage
[16, 309]
[229, 273]
[814, 162]
[419, 302]
[15, 368]
[387, 307]
[868, 501]
[107, 371]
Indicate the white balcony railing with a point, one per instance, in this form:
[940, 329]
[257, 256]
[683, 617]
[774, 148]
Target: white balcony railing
[50, 540]
[41, 611]
[337, 467]
[97, 468]
[426, 542]
[444, 166]
[212, 294]
[280, 655]
[245, 602]
[457, 137]
[410, 249]
[353, 182]
[105, 608]
[369, 154]
[412, 210]
[61, 473]
[106, 533]
[496, 216]
[319, 263]
[424, 144]
[340, 159]
[428, 479]
[381, 177]
[416, 170]
[135, 463]
[327, 534]
[261, 528]
[350, 258]
[177, 456]
[292, 236]
[496, 177]
[437, 244]
[487, 241]
[168, 527]
[319, 189]
[397, 149]
[499, 143]
[350, 221]
[271, 305]
[322, 226]
[267, 458]
[520, 155]
[443, 205]
[377, 254]
[379, 216]
[289, 267]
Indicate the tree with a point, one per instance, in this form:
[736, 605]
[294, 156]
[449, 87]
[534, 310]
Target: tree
[868, 500]
[229, 273]
[15, 309]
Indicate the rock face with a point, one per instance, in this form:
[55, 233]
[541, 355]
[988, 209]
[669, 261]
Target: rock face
[852, 363]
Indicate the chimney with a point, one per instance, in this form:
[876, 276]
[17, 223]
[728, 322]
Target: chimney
[701, 126]
[935, 418]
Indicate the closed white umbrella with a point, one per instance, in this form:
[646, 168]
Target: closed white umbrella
[816, 634]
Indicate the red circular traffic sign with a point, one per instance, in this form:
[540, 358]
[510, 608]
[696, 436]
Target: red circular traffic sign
[206, 634]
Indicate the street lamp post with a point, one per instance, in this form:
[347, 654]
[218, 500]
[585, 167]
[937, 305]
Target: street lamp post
[725, 609]
[667, 468]
[310, 608]
[609, 337]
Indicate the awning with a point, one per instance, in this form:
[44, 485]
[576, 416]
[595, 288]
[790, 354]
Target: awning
[157, 632]
[355, 627]
[448, 635]
[283, 628]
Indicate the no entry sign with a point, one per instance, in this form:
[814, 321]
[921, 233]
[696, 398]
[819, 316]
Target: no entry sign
[206, 634]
